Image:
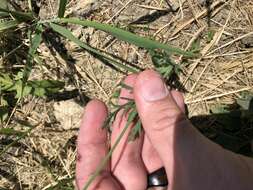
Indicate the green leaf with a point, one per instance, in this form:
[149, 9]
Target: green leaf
[20, 90]
[6, 82]
[8, 24]
[124, 85]
[195, 47]
[3, 113]
[67, 34]
[47, 84]
[116, 94]
[132, 116]
[20, 16]
[34, 44]
[3, 4]
[163, 64]
[52, 85]
[41, 92]
[62, 8]
[136, 131]
[210, 35]
[128, 36]
[42, 88]
[26, 91]
[9, 131]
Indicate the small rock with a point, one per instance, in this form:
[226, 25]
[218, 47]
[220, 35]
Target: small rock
[68, 113]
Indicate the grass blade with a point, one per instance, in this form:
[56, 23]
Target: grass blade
[20, 16]
[62, 8]
[9, 131]
[35, 42]
[8, 24]
[67, 34]
[3, 5]
[136, 131]
[128, 36]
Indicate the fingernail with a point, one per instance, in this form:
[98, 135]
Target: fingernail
[152, 87]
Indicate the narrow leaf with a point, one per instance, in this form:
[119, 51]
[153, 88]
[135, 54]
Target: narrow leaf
[67, 34]
[20, 16]
[62, 8]
[45, 87]
[124, 85]
[136, 131]
[8, 24]
[9, 131]
[35, 42]
[127, 36]
[131, 117]
[3, 5]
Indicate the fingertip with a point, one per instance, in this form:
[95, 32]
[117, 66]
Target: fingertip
[96, 105]
[95, 109]
[95, 114]
[150, 87]
[145, 76]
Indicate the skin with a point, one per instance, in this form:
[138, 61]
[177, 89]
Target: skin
[192, 162]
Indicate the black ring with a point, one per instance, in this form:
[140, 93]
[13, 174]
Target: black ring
[158, 178]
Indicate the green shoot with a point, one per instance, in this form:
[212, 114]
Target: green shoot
[10, 131]
[210, 35]
[62, 8]
[20, 16]
[67, 34]
[8, 25]
[128, 36]
[35, 42]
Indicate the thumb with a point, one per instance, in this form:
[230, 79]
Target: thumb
[159, 113]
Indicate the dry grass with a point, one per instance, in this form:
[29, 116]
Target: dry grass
[222, 72]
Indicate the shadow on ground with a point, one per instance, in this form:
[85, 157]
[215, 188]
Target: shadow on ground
[231, 127]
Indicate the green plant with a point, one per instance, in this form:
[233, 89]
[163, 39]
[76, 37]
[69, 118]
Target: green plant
[210, 35]
[22, 86]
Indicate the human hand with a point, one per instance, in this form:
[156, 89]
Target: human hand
[169, 141]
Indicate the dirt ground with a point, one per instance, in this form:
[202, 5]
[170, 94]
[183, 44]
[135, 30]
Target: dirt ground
[220, 30]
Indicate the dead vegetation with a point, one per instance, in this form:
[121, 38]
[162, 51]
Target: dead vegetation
[221, 31]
